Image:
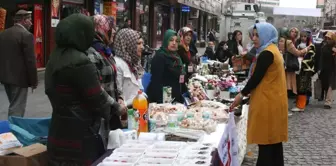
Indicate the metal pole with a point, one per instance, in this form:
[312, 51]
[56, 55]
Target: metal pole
[334, 16]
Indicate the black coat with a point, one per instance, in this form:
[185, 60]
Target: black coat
[163, 76]
[210, 53]
[221, 54]
[328, 67]
[78, 101]
[17, 57]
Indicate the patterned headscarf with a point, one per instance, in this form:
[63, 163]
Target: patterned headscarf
[182, 33]
[125, 46]
[103, 26]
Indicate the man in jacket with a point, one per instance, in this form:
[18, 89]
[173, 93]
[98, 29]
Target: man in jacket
[17, 62]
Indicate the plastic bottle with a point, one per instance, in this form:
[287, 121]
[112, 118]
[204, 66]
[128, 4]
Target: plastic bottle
[132, 119]
[140, 104]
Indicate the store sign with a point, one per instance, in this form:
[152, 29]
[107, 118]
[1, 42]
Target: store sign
[110, 9]
[213, 7]
[320, 4]
[55, 14]
[38, 18]
[97, 5]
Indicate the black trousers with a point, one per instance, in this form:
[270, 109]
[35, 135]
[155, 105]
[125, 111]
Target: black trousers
[270, 155]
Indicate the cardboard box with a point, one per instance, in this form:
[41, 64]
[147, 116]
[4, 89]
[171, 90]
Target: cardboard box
[33, 155]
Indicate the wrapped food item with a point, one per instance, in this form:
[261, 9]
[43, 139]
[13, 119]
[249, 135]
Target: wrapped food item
[197, 93]
[199, 124]
[3, 13]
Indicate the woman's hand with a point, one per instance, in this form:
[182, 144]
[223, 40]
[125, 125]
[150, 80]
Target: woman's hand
[238, 99]
[123, 106]
[334, 49]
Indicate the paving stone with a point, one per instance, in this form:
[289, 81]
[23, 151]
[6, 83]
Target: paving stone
[312, 136]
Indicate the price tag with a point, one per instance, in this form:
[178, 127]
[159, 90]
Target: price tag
[181, 79]
[190, 69]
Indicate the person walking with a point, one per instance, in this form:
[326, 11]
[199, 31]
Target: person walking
[18, 69]
[268, 119]
[328, 69]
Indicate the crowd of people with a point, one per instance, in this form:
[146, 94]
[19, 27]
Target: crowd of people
[95, 71]
[302, 60]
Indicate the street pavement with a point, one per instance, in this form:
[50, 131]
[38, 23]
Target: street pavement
[312, 134]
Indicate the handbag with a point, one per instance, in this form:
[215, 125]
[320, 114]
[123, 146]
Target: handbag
[291, 62]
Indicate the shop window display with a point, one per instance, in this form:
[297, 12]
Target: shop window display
[123, 14]
[144, 15]
[72, 8]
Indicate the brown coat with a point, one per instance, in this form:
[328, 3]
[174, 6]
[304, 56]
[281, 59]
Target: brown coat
[268, 115]
[17, 57]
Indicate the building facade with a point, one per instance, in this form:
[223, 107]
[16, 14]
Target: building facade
[151, 17]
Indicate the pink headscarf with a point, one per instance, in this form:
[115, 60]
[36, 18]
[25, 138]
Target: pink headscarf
[103, 25]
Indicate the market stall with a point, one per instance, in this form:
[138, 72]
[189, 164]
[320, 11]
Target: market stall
[190, 133]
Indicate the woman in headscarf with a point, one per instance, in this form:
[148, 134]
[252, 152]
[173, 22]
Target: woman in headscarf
[291, 49]
[167, 70]
[183, 51]
[328, 69]
[251, 51]
[268, 119]
[128, 46]
[306, 71]
[77, 98]
[100, 54]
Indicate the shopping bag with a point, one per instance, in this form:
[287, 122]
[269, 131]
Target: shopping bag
[316, 87]
[30, 130]
[228, 146]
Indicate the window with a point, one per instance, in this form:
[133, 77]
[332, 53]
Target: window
[248, 8]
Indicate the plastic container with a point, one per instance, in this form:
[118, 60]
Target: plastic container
[156, 161]
[125, 154]
[160, 155]
[120, 159]
[115, 164]
[136, 146]
[140, 104]
[185, 162]
[205, 153]
[180, 116]
[206, 115]
[172, 121]
[152, 124]
[132, 119]
[169, 145]
[130, 150]
[162, 150]
[139, 164]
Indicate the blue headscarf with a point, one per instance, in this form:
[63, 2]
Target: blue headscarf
[267, 35]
